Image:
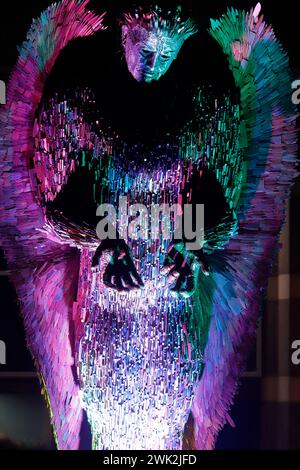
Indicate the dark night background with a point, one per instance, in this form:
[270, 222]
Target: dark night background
[263, 417]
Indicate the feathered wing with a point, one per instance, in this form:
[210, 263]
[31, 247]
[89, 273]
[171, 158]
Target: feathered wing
[240, 271]
[45, 272]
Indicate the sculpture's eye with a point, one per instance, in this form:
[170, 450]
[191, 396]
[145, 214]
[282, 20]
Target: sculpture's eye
[165, 56]
[147, 52]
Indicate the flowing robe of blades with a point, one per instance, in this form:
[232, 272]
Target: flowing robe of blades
[142, 351]
[135, 360]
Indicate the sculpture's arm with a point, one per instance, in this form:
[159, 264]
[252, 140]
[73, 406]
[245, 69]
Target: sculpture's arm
[240, 272]
[47, 37]
[45, 272]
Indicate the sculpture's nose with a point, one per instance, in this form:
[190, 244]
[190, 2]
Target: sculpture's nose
[151, 60]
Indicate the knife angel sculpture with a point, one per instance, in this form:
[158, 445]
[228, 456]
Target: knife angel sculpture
[131, 338]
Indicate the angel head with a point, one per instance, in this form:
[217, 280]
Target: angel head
[152, 41]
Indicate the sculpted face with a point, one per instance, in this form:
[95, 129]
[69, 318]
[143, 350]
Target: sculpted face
[152, 43]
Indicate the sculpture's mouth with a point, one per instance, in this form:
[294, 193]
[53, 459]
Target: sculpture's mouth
[147, 75]
[142, 73]
[147, 72]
